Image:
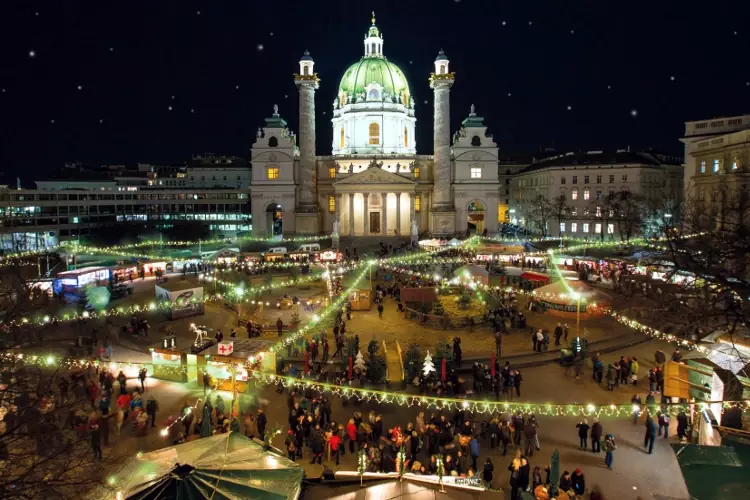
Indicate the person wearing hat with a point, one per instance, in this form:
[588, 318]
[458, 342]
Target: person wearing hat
[609, 448]
[579, 483]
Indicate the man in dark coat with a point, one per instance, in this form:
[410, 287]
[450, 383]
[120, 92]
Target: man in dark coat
[596, 436]
[262, 420]
[648, 441]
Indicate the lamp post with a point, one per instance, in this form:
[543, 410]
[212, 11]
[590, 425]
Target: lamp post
[667, 218]
[239, 291]
[577, 297]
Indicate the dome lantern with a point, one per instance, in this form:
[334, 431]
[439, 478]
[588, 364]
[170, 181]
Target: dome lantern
[373, 40]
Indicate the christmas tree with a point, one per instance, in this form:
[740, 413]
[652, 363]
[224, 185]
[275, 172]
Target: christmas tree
[428, 367]
[359, 363]
[437, 308]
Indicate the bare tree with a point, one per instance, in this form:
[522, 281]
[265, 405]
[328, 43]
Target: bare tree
[560, 209]
[629, 210]
[541, 212]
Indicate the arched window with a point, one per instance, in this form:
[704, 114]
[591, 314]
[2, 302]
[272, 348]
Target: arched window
[373, 95]
[374, 133]
[341, 138]
[273, 142]
[406, 137]
[306, 70]
[442, 70]
[476, 141]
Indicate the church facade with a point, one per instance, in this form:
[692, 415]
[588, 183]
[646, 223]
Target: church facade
[374, 183]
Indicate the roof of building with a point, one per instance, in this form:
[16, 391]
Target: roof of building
[373, 70]
[601, 158]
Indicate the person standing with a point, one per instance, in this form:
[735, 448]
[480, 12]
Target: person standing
[682, 424]
[583, 433]
[530, 434]
[648, 441]
[634, 369]
[636, 400]
[487, 472]
[517, 382]
[596, 436]
[206, 382]
[142, 377]
[498, 344]
[505, 436]
[609, 448]
[151, 407]
[96, 442]
[565, 332]
[474, 447]
[558, 333]
[279, 326]
[380, 310]
[261, 420]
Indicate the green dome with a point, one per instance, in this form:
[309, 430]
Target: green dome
[374, 70]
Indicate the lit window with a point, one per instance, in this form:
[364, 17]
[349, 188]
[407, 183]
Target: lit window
[331, 172]
[598, 211]
[341, 138]
[574, 194]
[716, 166]
[573, 227]
[562, 180]
[610, 229]
[703, 166]
[374, 133]
[272, 173]
[417, 172]
[586, 194]
[597, 228]
[562, 227]
[406, 137]
[585, 227]
[585, 179]
[417, 203]
[332, 204]
[611, 179]
[476, 173]
[734, 163]
[575, 179]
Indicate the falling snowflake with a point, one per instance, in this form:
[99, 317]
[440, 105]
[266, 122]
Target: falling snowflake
[237, 87]
[192, 110]
[572, 32]
[570, 108]
[197, 13]
[530, 23]
[671, 78]
[286, 96]
[111, 49]
[80, 87]
[259, 47]
[169, 108]
[425, 101]
[52, 122]
[270, 34]
[508, 94]
[101, 120]
[32, 53]
[503, 23]
[633, 113]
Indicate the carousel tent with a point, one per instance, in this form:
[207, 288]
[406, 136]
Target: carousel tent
[225, 466]
[562, 292]
[477, 273]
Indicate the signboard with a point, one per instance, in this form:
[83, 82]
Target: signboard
[225, 348]
[564, 307]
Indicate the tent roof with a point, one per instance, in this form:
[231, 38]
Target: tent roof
[225, 466]
[563, 288]
[472, 269]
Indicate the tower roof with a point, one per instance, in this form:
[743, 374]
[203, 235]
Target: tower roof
[306, 56]
[441, 56]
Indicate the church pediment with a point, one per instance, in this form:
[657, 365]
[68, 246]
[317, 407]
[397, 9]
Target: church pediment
[374, 175]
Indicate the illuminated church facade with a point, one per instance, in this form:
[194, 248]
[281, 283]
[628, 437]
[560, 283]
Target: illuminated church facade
[374, 183]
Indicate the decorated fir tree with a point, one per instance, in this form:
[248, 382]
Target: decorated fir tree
[359, 363]
[428, 367]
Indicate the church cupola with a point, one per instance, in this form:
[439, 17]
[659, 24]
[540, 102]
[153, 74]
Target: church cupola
[441, 63]
[373, 40]
[306, 65]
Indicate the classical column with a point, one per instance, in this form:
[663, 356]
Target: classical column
[366, 213]
[412, 211]
[398, 213]
[384, 222]
[339, 210]
[441, 81]
[307, 84]
[351, 214]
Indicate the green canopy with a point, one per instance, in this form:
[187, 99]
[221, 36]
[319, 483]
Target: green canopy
[222, 467]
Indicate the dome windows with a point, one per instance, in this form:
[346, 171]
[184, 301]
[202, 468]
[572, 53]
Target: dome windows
[341, 138]
[374, 92]
[406, 137]
[374, 130]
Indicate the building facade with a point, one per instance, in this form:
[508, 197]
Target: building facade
[591, 195]
[717, 167]
[374, 182]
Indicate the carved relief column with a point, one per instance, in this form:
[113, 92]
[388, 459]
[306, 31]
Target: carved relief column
[366, 212]
[398, 213]
[351, 214]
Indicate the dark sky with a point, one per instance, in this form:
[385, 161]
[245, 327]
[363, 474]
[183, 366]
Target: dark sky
[630, 71]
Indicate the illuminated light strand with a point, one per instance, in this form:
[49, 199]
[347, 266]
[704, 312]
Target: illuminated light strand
[214, 241]
[476, 406]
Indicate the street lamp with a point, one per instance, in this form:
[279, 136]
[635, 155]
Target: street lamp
[239, 291]
[667, 216]
[577, 297]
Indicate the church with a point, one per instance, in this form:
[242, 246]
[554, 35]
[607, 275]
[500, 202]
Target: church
[374, 183]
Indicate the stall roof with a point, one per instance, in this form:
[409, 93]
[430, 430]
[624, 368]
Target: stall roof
[173, 285]
[80, 271]
[243, 348]
[564, 287]
[731, 357]
[535, 276]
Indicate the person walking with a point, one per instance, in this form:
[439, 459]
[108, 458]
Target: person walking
[648, 441]
[151, 407]
[279, 326]
[583, 433]
[558, 333]
[596, 436]
[529, 431]
[609, 448]
[634, 369]
[682, 424]
[565, 332]
[636, 400]
[96, 442]
[380, 310]
[663, 420]
[505, 436]
[498, 344]
[261, 421]
[142, 377]
[474, 448]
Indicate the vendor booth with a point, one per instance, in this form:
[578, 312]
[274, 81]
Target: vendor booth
[169, 365]
[184, 297]
[71, 281]
[473, 273]
[234, 358]
[153, 268]
[223, 256]
[569, 297]
[124, 272]
[360, 297]
[223, 466]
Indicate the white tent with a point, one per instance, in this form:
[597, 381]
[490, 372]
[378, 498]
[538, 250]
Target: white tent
[474, 272]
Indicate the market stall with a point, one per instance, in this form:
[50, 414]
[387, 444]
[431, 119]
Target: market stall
[223, 256]
[184, 297]
[153, 268]
[227, 363]
[124, 272]
[168, 365]
[71, 281]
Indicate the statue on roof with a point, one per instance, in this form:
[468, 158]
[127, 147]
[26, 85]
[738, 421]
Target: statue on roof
[472, 111]
[276, 110]
[259, 134]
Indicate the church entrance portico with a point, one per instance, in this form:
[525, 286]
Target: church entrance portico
[375, 203]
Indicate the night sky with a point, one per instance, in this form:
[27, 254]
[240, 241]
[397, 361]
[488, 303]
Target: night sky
[156, 81]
